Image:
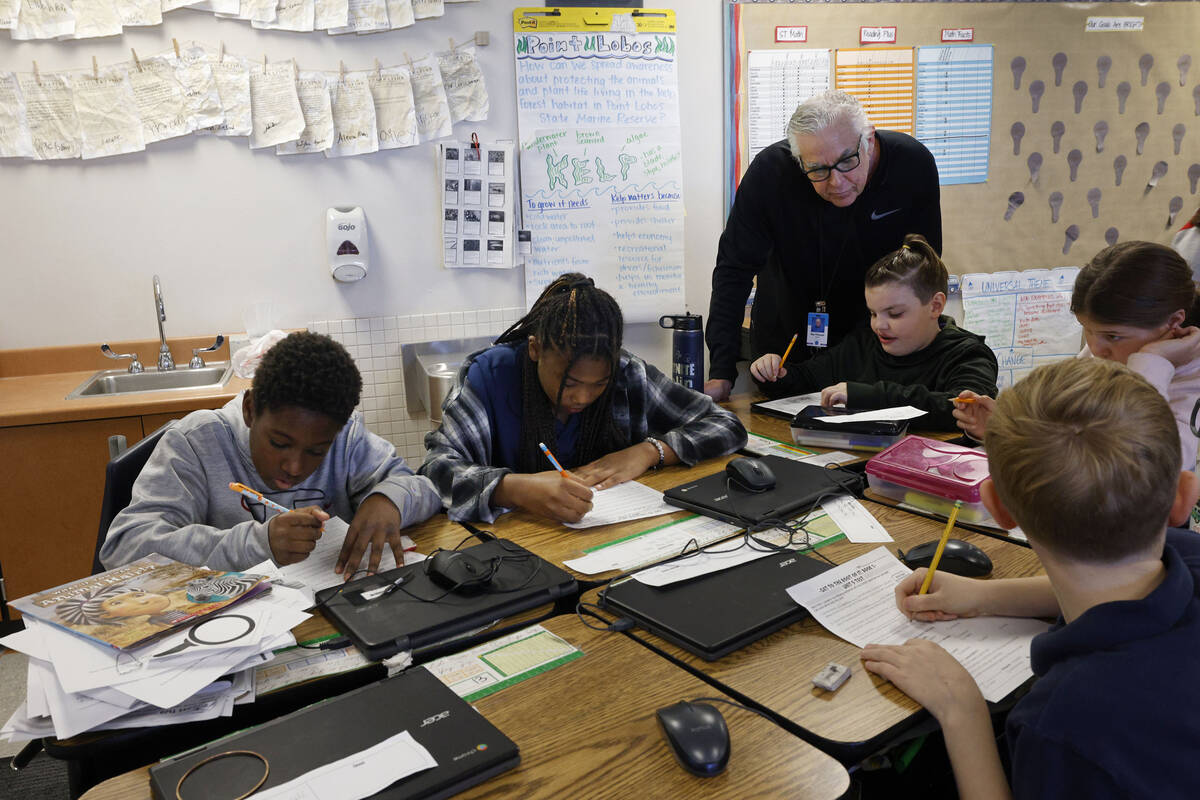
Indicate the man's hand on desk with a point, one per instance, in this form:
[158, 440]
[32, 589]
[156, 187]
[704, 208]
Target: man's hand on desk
[376, 524]
[836, 395]
[547, 494]
[624, 465]
[292, 536]
[718, 389]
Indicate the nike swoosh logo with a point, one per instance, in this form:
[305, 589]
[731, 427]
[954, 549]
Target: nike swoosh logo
[875, 215]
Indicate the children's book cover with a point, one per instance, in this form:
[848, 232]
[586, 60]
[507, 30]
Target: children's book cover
[128, 605]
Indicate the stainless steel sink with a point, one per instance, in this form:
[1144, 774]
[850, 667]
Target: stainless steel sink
[118, 381]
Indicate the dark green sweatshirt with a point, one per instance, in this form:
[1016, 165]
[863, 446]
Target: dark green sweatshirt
[955, 360]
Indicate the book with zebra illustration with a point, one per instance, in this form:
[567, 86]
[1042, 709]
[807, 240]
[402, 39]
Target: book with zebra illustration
[129, 605]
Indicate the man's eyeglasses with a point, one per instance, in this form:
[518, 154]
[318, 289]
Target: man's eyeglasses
[845, 164]
[300, 499]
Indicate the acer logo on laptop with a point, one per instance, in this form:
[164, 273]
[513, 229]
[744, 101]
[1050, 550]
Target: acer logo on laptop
[436, 718]
[786, 562]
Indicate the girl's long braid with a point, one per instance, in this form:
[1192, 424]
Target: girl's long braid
[573, 317]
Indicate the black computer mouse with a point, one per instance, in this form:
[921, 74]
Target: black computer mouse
[458, 570]
[959, 558]
[697, 735]
[750, 474]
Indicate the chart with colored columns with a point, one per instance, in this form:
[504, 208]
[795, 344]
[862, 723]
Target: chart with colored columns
[882, 78]
[954, 109]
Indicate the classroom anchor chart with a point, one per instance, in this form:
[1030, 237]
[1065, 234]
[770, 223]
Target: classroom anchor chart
[601, 173]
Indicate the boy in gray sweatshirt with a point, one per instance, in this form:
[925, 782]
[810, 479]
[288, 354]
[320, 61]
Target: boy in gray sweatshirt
[294, 437]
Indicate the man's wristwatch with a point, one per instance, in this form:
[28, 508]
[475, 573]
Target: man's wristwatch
[662, 456]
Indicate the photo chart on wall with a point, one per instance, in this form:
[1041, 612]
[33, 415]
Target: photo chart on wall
[477, 182]
[601, 169]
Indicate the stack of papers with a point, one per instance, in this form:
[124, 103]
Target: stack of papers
[198, 670]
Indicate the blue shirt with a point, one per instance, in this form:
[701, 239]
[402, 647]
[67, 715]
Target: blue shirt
[1116, 708]
[496, 376]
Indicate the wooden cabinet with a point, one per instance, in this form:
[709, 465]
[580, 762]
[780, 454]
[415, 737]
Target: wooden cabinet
[52, 479]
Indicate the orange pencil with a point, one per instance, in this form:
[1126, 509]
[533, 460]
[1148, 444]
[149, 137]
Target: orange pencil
[963, 399]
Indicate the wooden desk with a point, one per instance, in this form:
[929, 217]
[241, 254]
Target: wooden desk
[587, 729]
[775, 672]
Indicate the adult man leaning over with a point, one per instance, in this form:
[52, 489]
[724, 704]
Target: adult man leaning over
[812, 213]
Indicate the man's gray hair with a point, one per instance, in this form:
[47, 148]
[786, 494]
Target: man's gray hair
[818, 113]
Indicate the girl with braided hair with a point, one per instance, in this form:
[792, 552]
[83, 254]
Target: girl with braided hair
[559, 376]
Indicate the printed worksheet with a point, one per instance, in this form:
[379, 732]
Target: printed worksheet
[655, 544]
[290, 15]
[331, 14]
[433, 109]
[108, 114]
[485, 669]
[856, 601]
[313, 88]
[777, 81]
[400, 13]
[15, 141]
[395, 111]
[232, 76]
[162, 103]
[355, 132]
[466, 92]
[50, 112]
[274, 104]
[622, 503]
[94, 18]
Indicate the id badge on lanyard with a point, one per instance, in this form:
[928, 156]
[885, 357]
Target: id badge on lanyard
[817, 330]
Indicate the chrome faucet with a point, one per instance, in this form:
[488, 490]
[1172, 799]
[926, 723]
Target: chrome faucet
[165, 362]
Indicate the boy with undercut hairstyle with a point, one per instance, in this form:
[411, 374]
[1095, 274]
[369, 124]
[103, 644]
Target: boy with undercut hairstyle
[294, 437]
[1084, 456]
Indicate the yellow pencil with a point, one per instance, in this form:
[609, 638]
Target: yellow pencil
[788, 352]
[937, 554]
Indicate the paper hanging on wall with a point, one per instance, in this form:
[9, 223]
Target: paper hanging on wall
[290, 15]
[954, 109]
[433, 109]
[109, 124]
[331, 14]
[466, 92]
[232, 76]
[883, 80]
[776, 82]
[50, 112]
[353, 117]
[312, 88]
[193, 69]
[94, 19]
[162, 104]
[395, 112]
[1025, 317]
[477, 216]
[15, 141]
[400, 13]
[8, 14]
[426, 9]
[274, 104]
[44, 20]
[365, 16]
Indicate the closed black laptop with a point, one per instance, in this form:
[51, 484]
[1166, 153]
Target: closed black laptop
[797, 486]
[715, 614]
[467, 748]
[420, 612]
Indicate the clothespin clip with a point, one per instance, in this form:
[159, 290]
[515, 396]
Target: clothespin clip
[137, 62]
[221, 51]
[453, 46]
[342, 71]
[37, 77]
[175, 42]
[408, 60]
[475, 141]
[264, 62]
[378, 70]
[95, 69]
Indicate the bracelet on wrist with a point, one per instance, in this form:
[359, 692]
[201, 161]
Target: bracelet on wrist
[662, 456]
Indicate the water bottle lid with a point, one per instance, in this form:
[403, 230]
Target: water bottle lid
[683, 322]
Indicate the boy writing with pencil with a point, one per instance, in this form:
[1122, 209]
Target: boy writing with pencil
[301, 453]
[1084, 456]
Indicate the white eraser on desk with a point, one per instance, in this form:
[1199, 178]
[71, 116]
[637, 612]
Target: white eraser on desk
[831, 677]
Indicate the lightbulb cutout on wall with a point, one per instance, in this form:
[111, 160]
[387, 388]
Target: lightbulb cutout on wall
[1157, 174]
[1145, 63]
[1036, 90]
[1074, 159]
[1101, 130]
[1034, 162]
[1017, 131]
[1183, 65]
[1015, 201]
[1057, 129]
[1056, 201]
[1140, 133]
[1080, 90]
[1111, 236]
[1018, 69]
[1177, 133]
[1119, 164]
[1093, 198]
[346, 243]
[1162, 92]
[1059, 62]
[1072, 235]
[1193, 176]
[1103, 65]
[1173, 209]
[1123, 90]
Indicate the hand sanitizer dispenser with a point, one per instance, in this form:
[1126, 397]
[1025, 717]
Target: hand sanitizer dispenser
[346, 242]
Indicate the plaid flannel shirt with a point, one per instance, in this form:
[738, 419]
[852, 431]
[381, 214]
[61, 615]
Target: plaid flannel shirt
[459, 457]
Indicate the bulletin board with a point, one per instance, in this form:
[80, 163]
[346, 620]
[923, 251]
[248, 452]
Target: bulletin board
[1113, 117]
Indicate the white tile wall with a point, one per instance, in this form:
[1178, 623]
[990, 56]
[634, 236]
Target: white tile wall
[374, 344]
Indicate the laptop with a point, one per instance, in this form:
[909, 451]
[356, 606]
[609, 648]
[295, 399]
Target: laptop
[715, 614]
[797, 486]
[420, 612]
[467, 748]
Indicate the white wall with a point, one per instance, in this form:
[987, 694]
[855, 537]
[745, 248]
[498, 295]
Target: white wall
[224, 226]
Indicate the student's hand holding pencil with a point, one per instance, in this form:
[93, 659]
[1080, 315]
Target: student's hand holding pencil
[972, 412]
[949, 597]
[560, 496]
[768, 368]
[292, 536]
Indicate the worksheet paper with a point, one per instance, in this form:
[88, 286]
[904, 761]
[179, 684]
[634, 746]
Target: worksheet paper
[426, 9]
[466, 93]
[895, 414]
[486, 669]
[316, 572]
[883, 79]
[108, 114]
[856, 602]
[162, 103]
[8, 14]
[44, 19]
[94, 18]
[1025, 317]
[192, 69]
[429, 95]
[139, 13]
[791, 406]
[355, 132]
[313, 88]
[231, 74]
[296, 664]
[954, 109]
[274, 104]
[859, 524]
[358, 775]
[365, 16]
[776, 82]
[622, 503]
[653, 545]
[331, 14]
[478, 195]
[766, 446]
[601, 164]
[395, 112]
[290, 15]
[50, 113]
[820, 526]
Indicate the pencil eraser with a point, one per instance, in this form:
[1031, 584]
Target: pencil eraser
[831, 677]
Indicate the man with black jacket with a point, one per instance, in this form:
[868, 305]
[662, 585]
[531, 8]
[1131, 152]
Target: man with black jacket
[812, 213]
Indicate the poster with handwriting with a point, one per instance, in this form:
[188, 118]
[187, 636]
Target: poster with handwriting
[1024, 316]
[601, 168]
